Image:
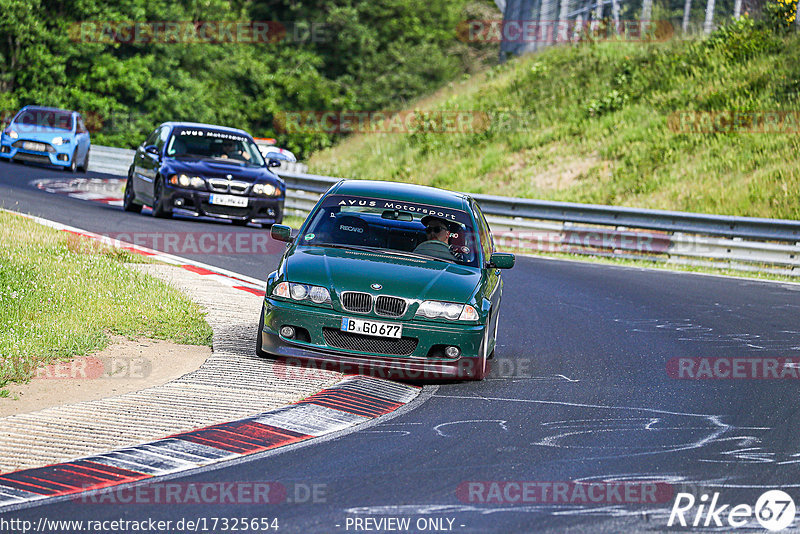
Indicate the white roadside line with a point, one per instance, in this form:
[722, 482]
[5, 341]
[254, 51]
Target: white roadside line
[231, 278]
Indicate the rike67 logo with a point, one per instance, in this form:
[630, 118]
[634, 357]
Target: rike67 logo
[774, 510]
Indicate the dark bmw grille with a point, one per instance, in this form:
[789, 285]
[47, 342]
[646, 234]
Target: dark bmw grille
[390, 306]
[219, 185]
[377, 345]
[357, 302]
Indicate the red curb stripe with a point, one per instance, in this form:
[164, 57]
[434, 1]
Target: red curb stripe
[28, 481]
[111, 470]
[348, 406]
[242, 437]
[198, 270]
[353, 402]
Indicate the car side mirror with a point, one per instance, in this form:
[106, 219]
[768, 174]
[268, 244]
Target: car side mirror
[151, 149]
[275, 156]
[501, 260]
[280, 232]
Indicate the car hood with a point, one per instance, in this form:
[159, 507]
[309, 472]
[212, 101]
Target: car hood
[352, 270]
[213, 169]
[41, 133]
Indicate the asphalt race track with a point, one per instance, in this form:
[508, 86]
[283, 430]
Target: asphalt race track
[579, 392]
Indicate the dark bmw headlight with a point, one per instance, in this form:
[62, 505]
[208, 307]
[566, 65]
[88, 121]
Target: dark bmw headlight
[301, 292]
[183, 180]
[267, 190]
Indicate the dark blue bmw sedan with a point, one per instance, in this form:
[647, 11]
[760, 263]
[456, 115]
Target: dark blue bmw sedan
[205, 170]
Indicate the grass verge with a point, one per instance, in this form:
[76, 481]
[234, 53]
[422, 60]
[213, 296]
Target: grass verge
[62, 295]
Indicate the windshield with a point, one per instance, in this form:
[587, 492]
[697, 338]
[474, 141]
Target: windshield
[397, 228]
[214, 144]
[46, 118]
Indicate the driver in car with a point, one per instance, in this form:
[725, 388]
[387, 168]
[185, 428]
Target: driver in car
[437, 243]
[232, 150]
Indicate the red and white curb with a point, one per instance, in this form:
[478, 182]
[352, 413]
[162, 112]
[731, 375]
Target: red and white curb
[228, 278]
[103, 190]
[353, 401]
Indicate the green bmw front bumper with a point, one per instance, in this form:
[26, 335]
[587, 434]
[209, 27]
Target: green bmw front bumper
[418, 354]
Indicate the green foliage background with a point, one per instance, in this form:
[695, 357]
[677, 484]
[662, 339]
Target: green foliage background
[372, 54]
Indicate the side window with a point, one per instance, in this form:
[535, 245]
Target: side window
[151, 139]
[487, 243]
[162, 137]
[81, 128]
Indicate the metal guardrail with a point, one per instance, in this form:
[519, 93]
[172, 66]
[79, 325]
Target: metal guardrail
[529, 225]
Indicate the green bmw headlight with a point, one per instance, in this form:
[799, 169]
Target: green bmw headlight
[300, 292]
[434, 309]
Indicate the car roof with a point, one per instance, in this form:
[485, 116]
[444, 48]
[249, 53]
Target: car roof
[46, 108]
[202, 125]
[403, 192]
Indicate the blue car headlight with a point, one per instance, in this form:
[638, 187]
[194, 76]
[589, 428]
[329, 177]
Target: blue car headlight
[60, 141]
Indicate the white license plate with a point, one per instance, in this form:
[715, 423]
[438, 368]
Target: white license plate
[229, 200]
[36, 147]
[371, 328]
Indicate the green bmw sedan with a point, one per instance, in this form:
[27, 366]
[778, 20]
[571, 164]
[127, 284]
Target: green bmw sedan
[397, 277]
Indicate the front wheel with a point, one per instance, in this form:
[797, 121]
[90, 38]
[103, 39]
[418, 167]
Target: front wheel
[158, 201]
[129, 197]
[259, 351]
[73, 166]
[85, 165]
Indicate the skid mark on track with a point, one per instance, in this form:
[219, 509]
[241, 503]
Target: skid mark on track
[471, 425]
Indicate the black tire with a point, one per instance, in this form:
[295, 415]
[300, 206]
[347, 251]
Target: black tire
[73, 166]
[85, 165]
[129, 197]
[159, 210]
[259, 351]
[481, 368]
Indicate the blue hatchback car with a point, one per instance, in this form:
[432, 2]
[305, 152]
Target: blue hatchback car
[50, 136]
